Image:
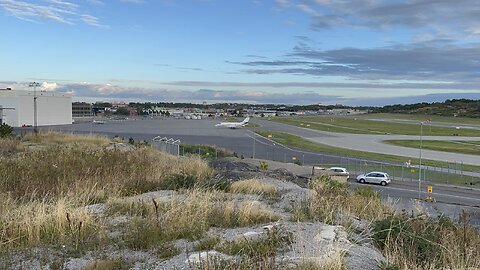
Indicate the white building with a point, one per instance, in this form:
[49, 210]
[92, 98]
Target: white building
[52, 108]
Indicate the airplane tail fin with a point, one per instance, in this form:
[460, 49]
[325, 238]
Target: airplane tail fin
[246, 120]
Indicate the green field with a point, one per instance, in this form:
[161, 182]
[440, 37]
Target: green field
[419, 117]
[362, 126]
[472, 148]
[298, 142]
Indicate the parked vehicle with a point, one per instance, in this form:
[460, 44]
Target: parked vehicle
[381, 178]
[340, 171]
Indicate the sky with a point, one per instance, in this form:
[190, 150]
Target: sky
[354, 52]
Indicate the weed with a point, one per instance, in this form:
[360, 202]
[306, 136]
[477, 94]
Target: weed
[263, 165]
[208, 243]
[263, 249]
[167, 250]
[427, 243]
[108, 264]
[254, 186]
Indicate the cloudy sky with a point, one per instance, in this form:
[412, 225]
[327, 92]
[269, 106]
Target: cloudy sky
[278, 51]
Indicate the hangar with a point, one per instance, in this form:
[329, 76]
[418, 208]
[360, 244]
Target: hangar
[17, 108]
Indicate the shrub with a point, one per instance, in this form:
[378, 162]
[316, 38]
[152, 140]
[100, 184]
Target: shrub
[277, 240]
[263, 165]
[5, 130]
[333, 202]
[419, 242]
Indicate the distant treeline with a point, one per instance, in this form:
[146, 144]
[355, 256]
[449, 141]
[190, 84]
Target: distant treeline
[451, 107]
[240, 106]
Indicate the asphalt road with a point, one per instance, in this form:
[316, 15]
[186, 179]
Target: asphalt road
[374, 143]
[447, 200]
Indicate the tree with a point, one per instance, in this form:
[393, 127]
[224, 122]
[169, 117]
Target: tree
[122, 111]
[5, 130]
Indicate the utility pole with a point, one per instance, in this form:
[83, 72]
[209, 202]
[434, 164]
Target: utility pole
[35, 124]
[420, 162]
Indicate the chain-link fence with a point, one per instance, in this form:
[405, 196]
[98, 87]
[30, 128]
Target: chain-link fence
[264, 148]
[451, 173]
[168, 145]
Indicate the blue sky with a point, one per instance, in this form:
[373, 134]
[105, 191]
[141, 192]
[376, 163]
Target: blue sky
[278, 51]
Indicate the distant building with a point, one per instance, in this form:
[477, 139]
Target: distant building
[82, 109]
[52, 108]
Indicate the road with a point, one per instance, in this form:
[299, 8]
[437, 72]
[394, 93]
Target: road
[374, 143]
[448, 200]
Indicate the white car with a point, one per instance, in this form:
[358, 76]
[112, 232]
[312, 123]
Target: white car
[381, 178]
[339, 171]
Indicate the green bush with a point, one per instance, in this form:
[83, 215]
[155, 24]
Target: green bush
[5, 130]
[205, 151]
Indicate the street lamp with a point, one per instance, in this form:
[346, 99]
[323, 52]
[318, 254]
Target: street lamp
[420, 161]
[35, 125]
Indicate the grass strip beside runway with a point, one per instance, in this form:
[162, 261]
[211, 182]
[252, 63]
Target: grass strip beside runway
[464, 147]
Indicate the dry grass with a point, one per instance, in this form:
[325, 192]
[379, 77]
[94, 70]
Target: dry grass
[333, 203]
[253, 186]
[187, 215]
[51, 137]
[43, 191]
[9, 146]
[422, 243]
[60, 171]
[52, 222]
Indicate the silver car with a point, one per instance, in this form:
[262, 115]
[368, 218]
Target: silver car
[381, 178]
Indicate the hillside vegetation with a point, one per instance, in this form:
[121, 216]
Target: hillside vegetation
[84, 202]
[451, 107]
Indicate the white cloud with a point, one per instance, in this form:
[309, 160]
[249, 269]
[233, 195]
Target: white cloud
[54, 10]
[49, 86]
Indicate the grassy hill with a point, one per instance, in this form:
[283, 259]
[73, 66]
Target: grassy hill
[451, 107]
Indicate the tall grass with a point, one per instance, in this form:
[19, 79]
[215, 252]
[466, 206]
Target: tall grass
[333, 203]
[58, 171]
[417, 242]
[253, 186]
[9, 146]
[49, 222]
[43, 190]
[51, 137]
[188, 215]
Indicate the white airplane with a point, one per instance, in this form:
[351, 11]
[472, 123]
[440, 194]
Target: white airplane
[234, 125]
[98, 122]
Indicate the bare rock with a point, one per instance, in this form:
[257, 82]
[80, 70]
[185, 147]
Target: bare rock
[204, 257]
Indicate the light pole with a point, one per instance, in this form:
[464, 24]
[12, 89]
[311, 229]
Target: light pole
[35, 125]
[420, 161]
[253, 156]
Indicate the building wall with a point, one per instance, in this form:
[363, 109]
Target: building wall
[9, 116]
[82, 109]
[52, 108]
